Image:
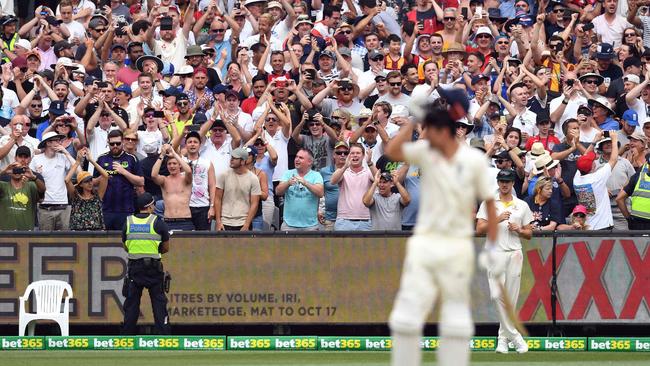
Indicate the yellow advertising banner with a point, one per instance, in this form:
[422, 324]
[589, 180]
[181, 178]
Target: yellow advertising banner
[238, 279]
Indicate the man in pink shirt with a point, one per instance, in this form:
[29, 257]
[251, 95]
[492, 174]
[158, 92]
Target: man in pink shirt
[354, 179]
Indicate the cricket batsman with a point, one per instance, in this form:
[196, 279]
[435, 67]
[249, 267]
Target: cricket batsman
[514, 217]
[439, 258]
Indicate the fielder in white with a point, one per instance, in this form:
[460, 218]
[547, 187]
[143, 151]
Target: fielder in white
[439, 258]
[514, 217]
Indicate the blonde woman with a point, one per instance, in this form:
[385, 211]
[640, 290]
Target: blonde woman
[545, 215]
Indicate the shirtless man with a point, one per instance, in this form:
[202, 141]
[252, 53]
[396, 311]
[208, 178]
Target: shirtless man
[176, 189]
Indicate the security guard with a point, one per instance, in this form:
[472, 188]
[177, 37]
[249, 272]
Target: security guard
[145, 238]
[638, 188]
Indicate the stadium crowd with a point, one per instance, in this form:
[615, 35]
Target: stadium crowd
[269, 115]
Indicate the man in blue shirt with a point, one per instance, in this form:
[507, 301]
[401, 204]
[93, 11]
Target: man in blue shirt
[302, 188]
[341, 151]
[603, 114]
[125, 175]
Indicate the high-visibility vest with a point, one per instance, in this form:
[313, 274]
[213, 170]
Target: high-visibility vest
[141, 238]
[641, 195]
[11, 45]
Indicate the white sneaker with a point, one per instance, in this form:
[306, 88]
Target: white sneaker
[502, 345]
[520, 344]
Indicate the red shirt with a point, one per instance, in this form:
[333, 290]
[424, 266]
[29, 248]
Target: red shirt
[548, 142]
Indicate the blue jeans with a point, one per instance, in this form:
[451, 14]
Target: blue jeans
[258, 223]
[115, 220]
[180, 225]
[352, 225]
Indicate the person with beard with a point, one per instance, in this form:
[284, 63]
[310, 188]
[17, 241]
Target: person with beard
[99, 125]
[321, 138]
[195, 57]
[237, 194]
[128, 74]
[173, 42]
[346, 97]
[126, 175]
[200, 97]
[260, 83]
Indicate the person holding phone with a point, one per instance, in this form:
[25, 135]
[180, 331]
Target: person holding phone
[19, 196]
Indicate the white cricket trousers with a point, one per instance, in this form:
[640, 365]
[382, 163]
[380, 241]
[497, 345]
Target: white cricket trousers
[511, 281]
[435, 266]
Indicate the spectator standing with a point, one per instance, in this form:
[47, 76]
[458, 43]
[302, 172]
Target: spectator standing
[354, 179]
[9, 144]
[176, 189]
[19, 197]
[341, 151]
[621, 174]
[126, 175]
[258, 221]
[86, 212]
[320, 140]
[546, 215]
[237, 194]
[302, 187]
[386, 206]
[53, 164]
[590, 186]
[203, 183]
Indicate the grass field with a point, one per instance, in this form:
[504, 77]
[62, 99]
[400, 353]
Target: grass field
[243, 358]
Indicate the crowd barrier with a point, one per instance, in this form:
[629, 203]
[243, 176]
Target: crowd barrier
[342, 278]
[304, 343]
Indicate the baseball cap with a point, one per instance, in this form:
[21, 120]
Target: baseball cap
[455, 95]
[144, 200]
[341, 144]
[479, 77]
[631, 117]
[605, 51]
[327, 53]
[124, 89]
[374, 53]
[585, 162]
[579, 209]
[199, 118]
[506, 175]
[239, 153]
[386, 176]
[182, 96]
[57, 108]
[632, 78]
[503, 155]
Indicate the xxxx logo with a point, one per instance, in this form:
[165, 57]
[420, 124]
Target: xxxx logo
[593, 288]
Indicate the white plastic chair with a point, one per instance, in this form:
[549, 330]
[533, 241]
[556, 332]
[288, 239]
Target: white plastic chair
[47, 295]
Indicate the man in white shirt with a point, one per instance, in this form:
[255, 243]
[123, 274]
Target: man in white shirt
[395, 95]
[525, 119]
[53, 164]
[18, 129]
[590, 186]
[173, 42]
[609, 25]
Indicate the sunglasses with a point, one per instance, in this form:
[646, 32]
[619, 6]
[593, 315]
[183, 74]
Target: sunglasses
[341, 153]
[148, 115]
[557, 11]
[377, 58]
[182, 104]
[630, 34]
[335, 117]
[37, 106]
[395, 84]
[580, 215]
[218, 130]
[503, 42]
[115, 143]
[462, 125]
[483, 36]
[258, 144]
[217, 30]
[346, 32]
[271, 120]
[314, 124]
[100, 30]
[345, 88]
[449, 19]
[590, 81]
